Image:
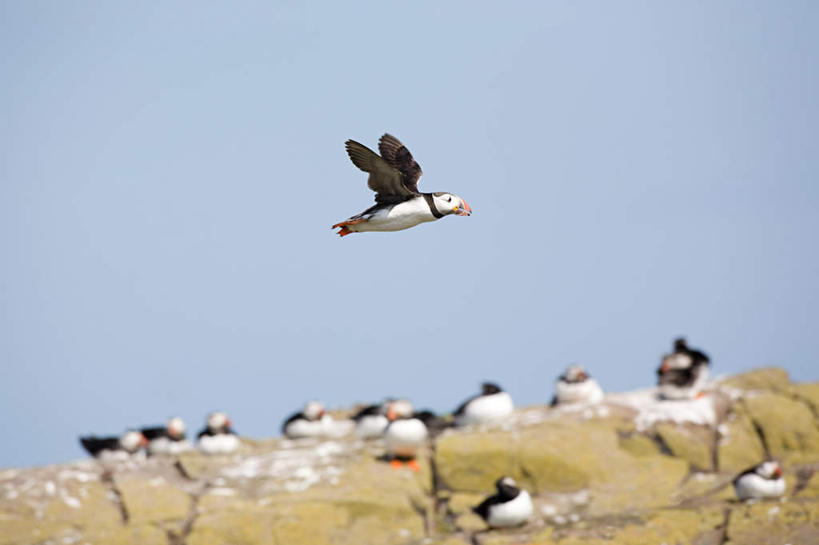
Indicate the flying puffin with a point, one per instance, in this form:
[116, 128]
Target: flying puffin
[168, 439]
[394, 177]
[218, 437]
[683, 372]
[405, 434]
[371, 421]
[576, 386]
[310, 422]
[114, 447]
[761, 481]
[491, 405]
[511, 506]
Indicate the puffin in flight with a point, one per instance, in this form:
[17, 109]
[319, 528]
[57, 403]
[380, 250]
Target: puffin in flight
[394, 177]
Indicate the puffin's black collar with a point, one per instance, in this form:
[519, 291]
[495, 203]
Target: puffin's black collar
[431, 203]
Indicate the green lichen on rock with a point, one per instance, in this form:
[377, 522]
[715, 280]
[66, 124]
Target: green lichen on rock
[808, 392]
[766, 378]
[774, 523]
[739, 446]
[788, 427]
[689, 442]
[473, 461]
[638, 444]
[153, 500]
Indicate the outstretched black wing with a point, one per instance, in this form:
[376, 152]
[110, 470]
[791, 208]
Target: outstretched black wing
[399, 157]
[386, 180]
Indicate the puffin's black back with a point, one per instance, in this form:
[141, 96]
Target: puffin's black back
[94, 445]
[154, 433]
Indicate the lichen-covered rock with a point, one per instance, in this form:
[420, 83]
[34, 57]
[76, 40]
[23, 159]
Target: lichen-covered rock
[739, 446]
[766, 378]
[808, 392]
[473, 461]
[638, 444]
[153, 500]
[788, 427]
[774, 523]
[130, 534]
[689, 442]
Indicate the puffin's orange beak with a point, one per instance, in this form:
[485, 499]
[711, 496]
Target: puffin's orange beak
[143, 441]
[390, 414]
[464, 209]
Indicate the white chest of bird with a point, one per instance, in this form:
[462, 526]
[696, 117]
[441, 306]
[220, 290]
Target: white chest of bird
[511, 513]
[486, 409]
[587, 391]
[405, 436]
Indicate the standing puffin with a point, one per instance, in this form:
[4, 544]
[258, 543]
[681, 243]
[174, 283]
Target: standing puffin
[576, 386]
[405, 435]
[371, 421]
[218, 437]
[394, 177]
[491, 405]
[168, 439]
[307, 423]
[113, 448]
[683, 373]
[761, 481]
[511, 506]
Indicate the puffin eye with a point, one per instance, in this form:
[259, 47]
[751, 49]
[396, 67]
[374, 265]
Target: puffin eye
[449, 199]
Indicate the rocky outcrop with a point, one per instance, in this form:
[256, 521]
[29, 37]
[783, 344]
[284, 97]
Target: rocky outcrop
[631, 470]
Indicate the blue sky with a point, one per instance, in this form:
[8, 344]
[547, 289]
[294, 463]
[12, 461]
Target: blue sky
[169, 173]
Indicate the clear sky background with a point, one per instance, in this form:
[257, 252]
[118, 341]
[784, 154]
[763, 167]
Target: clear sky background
[169, 172]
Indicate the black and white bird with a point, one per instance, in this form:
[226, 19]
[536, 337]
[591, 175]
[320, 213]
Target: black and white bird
[576, 386]
[405, 434]
[761, 481]
[168, 439]
[371, 421]
[114, 448]
[510, 507]
[218, 437]
[309, 422]
[492, 405]
[394, 177]
[682, 373]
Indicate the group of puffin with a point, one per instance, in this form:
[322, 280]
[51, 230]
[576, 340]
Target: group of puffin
[217, 437]
[682, 375]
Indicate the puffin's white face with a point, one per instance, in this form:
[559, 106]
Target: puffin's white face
[575, 373]
[176, 427]
[447, 203]
[508, 481]
[132, 441]
[218, 420]
[399, 409]
[769, 470]
[676, 361]
[313, 410]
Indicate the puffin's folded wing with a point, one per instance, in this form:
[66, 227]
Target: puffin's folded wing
[399, 157]
[385, 180]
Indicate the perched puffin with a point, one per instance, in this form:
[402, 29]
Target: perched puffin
[576, 386]
[405, 434]
[682, 373]
[371, 421]
[168, 439]
[114, 447]
[511, 506]
[394, 177]
[218, 437]
[761, 481]
[491, 405]
[307, 423]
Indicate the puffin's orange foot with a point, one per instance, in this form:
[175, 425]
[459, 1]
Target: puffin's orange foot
[344, 224]
[413, 465]
[396, 464]
[344, 232]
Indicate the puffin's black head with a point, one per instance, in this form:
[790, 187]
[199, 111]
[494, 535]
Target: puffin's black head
[507, 487]
[489, 388]
[680, 345]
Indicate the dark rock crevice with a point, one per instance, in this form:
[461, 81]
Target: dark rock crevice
[180, 537]
[107, 479]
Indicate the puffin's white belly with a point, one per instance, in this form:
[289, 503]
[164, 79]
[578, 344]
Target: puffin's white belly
[486, 409]
[401, 216]
[587, 391]
[163, 445]
[754, 486]
[512, 513]
[223, 443]
[304, 428]
[405, 437]
[371, 426]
